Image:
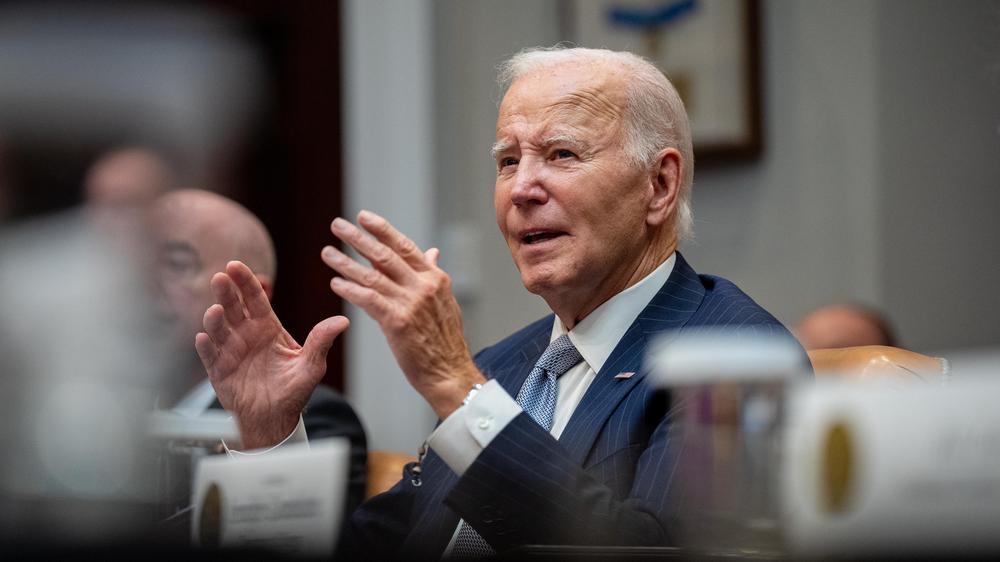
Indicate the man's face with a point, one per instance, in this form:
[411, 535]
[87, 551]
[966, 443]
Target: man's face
[189, 251]
[571, 207]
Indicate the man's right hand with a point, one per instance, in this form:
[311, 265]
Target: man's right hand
[260, 374]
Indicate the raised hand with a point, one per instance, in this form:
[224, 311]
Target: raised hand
[260, 373]
[410, 297]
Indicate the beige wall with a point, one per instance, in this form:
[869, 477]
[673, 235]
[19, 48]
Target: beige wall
[939, 171]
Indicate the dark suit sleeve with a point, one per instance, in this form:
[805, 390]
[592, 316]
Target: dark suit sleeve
[327, 414]
[523, 489]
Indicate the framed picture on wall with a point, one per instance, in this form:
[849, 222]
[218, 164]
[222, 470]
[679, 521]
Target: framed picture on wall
[708, 49]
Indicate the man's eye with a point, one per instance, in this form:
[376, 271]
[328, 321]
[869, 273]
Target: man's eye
[509, 161]
[563, 153]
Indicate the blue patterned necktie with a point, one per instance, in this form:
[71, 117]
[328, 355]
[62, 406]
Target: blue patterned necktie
[537, 397]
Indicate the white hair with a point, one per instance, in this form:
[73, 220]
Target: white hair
[655, 117]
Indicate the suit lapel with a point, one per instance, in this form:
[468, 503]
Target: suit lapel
[670, 309]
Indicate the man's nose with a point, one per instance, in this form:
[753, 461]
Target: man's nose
[528, 184]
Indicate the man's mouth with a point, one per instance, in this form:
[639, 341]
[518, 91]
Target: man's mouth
[537, 236]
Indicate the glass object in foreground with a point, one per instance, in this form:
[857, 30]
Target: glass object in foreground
[727, 393]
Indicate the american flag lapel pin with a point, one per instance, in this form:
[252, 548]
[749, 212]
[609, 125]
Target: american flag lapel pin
[623, 376]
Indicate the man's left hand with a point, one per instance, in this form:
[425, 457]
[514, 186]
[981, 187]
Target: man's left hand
[411, 299]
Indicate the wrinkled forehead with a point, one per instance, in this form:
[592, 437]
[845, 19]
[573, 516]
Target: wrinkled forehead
[577, 94]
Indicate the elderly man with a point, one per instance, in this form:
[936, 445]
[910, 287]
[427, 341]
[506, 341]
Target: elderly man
[549, 436]
[196, 232]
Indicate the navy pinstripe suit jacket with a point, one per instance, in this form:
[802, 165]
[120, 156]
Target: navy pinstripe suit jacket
[607, 480]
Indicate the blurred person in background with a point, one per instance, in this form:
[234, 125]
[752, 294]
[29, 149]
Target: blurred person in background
[120, 185]
[195, 234]
[845, 325]
[128, 176]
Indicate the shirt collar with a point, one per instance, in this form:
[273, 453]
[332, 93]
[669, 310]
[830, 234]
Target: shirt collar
[596, 336]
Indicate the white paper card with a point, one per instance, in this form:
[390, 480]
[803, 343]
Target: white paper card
[289, 500]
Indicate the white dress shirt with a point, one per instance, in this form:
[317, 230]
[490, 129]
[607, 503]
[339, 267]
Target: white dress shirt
[468, 430]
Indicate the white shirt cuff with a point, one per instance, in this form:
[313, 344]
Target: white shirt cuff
[470, 429]
[298, 435]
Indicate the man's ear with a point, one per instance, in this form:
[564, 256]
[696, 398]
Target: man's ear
[666, 181]
[266, 284]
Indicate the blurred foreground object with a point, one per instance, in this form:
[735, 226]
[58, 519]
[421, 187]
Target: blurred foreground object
[872, 462]
[82, 362]
[844, 325]
[82, 355]
[877, 469]
[878, 361]
[727, 394]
